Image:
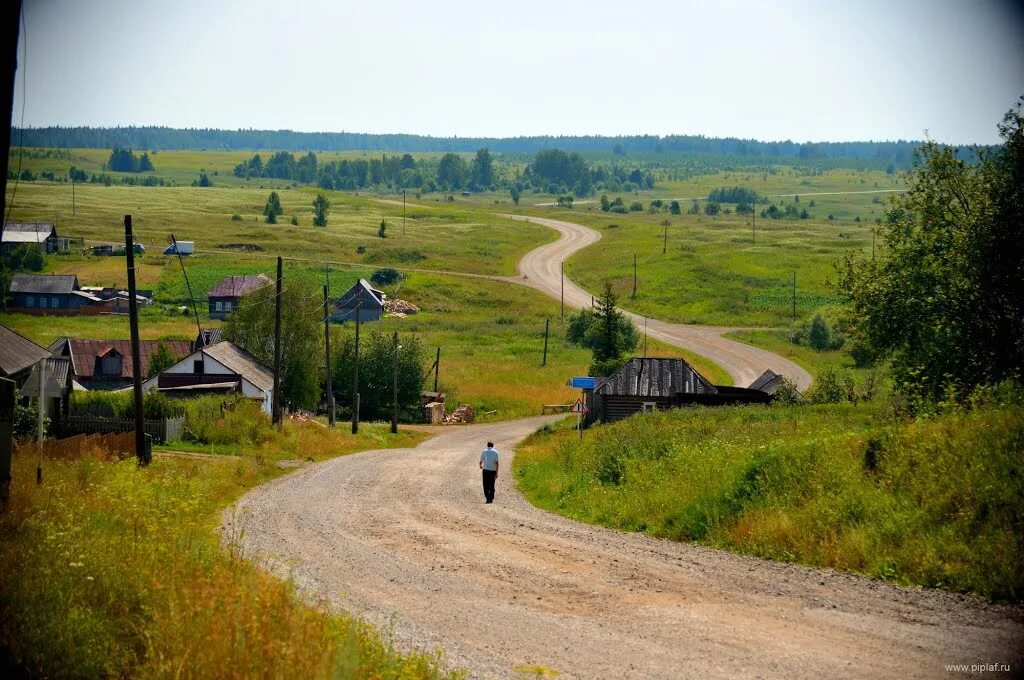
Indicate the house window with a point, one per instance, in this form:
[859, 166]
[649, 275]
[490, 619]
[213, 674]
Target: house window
[55, 302]
[30, 301]
[219, 306]
[197, 366]
[111, 365]
[227, 305]
[650, 406]
[42, 301]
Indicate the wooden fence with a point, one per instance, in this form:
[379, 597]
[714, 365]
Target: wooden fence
[162, 431]
[109, 446]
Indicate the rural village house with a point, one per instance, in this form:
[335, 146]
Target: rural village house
[50, 294]
[18, 355]
[655, 384]
[369, 300]
[107, 364]
[222, 367]
[42, 234]
[224, 298]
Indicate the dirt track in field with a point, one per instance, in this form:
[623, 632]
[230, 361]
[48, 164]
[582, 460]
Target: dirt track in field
[403, 538]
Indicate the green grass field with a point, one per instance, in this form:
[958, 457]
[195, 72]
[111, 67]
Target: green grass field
[930, 502]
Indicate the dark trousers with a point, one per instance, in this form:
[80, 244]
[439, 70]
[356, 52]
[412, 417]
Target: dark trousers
[489, 477]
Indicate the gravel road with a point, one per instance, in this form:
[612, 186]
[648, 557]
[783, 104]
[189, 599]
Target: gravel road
[540, 269]
[403, 538]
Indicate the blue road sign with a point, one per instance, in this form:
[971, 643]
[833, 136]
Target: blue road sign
[583, 382]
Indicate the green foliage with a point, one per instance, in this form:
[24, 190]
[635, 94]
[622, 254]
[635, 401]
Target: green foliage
[482, 171]
[122, 405]
[585, 329]
[203, 181]
[819, 337]
[376, 373]
[674, 208]
[27, 257]
[123, 160]
[161, 359]
[295, 221]
[386, 277]
[26, 420]
[934, 502]
[944, 299]
[733, 195]
[251, 327]
[321, 207]
[515, 193]
[832, 386]
[225, 422]
[452, 171]
[382, 229]
[788, 393]
[272, 208]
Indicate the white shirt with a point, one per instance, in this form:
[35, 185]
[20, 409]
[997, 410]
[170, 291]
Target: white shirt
[489, 458]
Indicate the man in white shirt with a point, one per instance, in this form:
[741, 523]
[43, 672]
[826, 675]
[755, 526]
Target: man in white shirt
[489, 464]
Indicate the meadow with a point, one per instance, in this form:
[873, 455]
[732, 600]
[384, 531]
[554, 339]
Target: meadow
[927, 502]
[138, 583]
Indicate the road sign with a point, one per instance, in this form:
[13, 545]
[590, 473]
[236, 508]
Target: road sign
[583, 382]
[579, 407]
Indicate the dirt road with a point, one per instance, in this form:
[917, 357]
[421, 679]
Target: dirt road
[540, 269]
[403, 537]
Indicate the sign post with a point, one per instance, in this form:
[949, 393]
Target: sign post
[580, 408]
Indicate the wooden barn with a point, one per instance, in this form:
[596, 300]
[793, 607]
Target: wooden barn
[227, 295]
[656, 384]
[369, 300]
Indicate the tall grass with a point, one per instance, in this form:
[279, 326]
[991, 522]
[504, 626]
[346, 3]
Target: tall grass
[109, 570]
[936, 502]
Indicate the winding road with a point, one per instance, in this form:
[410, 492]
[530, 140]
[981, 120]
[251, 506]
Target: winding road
[403, 538]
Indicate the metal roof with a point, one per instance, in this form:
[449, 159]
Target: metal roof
[237, 286]
[241, 362]
[83, 353]
[768, 382]
[44, 283]
[656, 377]
[27, 232]
[207, 337]
[368, 296]
[18, 352]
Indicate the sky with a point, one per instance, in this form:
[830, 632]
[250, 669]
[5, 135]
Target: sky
[798, 70]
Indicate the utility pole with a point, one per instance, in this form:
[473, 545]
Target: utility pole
[6, 438]
[277, 349]
[355, 372]
[403, 212]
[664, 246]
[73, 213]
[142, 452]
[794, 296]
[753, 221]
[437, 367]
[645, 337]
[544, 362]
[634, 276]
[394, 384]
[327, 353]
[41, 413]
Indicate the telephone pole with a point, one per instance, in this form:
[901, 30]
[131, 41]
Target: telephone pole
[634, 276]
[142, 452]
[664, 245]
[355, 372]
[277, 349]
[794, 296]
[327, 346]
[561, 272]
[437, 367]
[544, 362]
[394, 384]
[403, 212]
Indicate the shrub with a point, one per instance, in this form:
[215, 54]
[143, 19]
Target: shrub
[386, 277]
[832, 386]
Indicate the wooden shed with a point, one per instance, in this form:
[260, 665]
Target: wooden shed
[369, 300]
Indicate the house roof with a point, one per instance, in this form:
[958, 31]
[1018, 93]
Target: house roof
[237, 286]
[27, 232]
[44, 283]
[768, 382]
[368, 295]
[56, 378]
[83, 353]
[656, 377]
[18, 352]
[206, 337]
[241, 362]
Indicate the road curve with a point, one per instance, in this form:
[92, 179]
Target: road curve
[541, 269]
[403, 538]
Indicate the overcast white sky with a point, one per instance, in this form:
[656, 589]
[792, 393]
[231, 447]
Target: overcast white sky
[854, 70]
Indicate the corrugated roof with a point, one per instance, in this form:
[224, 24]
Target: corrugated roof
[368, 295]
[18, 352]
[44, 283]
[241, 362]
[207, 337]
[27, 232]
[56, 378]
[656, 377]
[237, 286]
[84, 353]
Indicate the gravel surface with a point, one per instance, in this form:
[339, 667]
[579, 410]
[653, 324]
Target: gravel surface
[403, 538]
[540, 269]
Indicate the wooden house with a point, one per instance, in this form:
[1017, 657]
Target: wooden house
[18, 355]
[369, 300]
[107, 364]
[51, 294]
[40, 234]
[656, 384]
[226, 295]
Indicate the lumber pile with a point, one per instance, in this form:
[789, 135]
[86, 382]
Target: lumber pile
[399, 308]
[463, 414]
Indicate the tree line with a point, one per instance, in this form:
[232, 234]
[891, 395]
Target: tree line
[899, 152]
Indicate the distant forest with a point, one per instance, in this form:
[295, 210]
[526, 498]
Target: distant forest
[162, 138]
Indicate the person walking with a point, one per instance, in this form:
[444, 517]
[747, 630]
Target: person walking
[489, 464]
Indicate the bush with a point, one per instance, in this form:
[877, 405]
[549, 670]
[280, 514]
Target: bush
[832, 386]
[216, 420]
[386, 277]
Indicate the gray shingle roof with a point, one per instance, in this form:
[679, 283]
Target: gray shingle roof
[768, 382]
[18, 352]
[44, 283]
[656, 377]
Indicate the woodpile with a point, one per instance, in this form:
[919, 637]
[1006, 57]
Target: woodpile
[399, 308]
[463, 414]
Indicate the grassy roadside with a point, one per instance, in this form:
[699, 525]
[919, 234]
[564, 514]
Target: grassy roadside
[933, 502]
[777, 342]
[109, 570]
